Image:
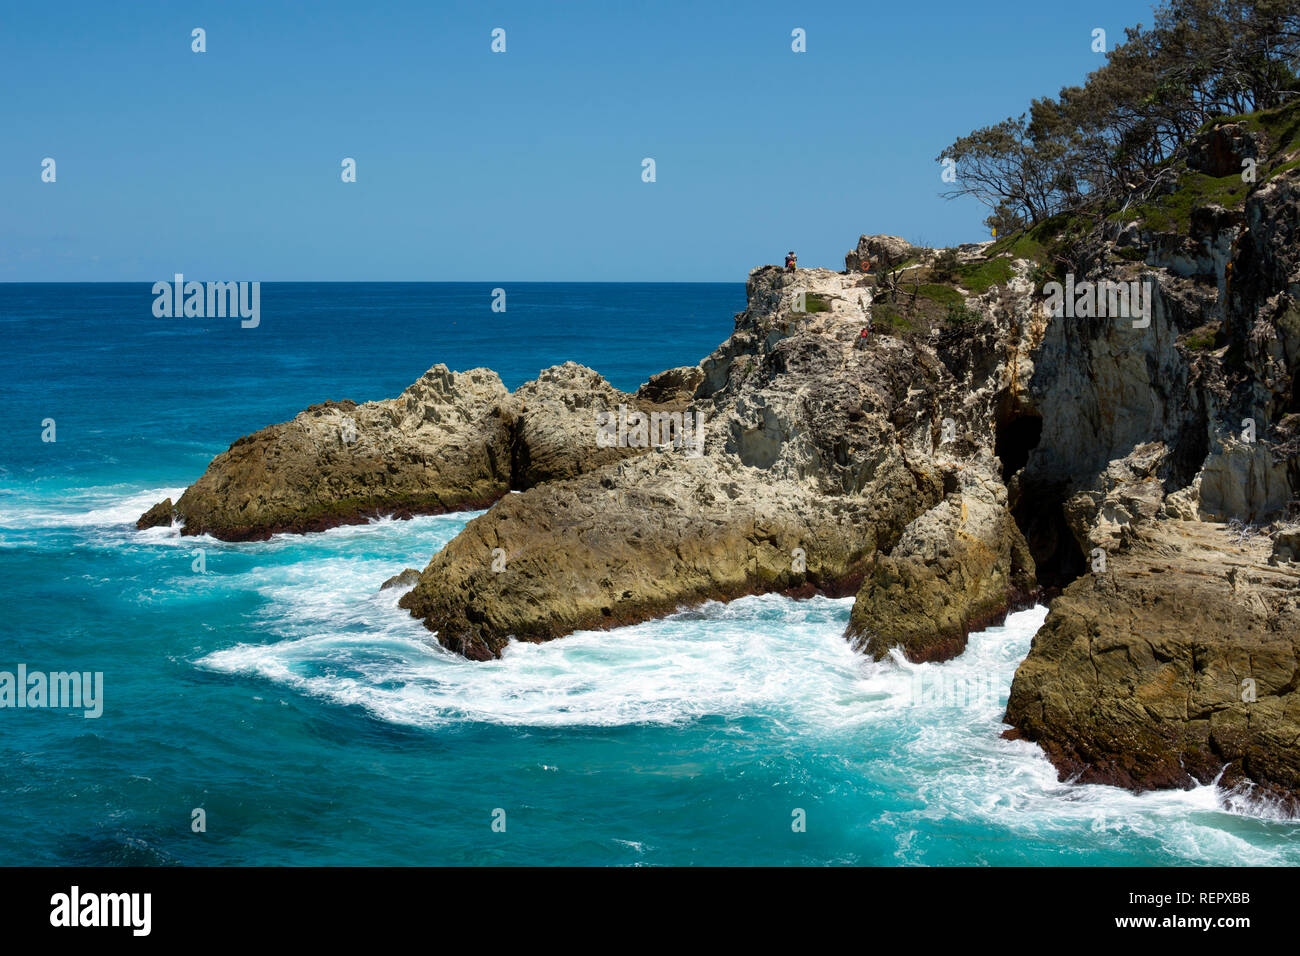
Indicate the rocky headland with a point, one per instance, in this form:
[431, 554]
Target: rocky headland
[980, 453]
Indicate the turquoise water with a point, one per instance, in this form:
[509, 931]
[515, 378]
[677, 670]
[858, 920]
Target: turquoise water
[284, 694]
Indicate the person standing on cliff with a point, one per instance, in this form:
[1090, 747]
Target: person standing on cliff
[791, 261]
[864, 337]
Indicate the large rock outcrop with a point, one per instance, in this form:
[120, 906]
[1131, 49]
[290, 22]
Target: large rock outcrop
[959, 567]
[1176, 661]
[442, 445]
[637, 540]
[453, 441]
[1173, 450]
[555, 423]
[817, 459]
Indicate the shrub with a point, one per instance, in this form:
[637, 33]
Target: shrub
[945, 267]
[961, 314]
[887, 320]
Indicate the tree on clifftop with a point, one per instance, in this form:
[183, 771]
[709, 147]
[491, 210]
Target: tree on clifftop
[1111, 138]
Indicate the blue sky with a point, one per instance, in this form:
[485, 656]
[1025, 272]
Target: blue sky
[522, 166]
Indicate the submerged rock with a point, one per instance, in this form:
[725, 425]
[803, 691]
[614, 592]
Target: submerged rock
[405, 579]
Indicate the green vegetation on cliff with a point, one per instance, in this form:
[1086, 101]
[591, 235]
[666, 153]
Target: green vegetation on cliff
[1109, 143]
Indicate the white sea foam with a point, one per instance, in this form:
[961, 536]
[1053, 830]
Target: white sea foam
[769, 658]
[113, 514]
[327, 631]
[84, 508]
[971, 773]
[349, 644]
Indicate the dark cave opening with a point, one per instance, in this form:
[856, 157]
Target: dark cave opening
[1015, 439]
[1037, 505]
[1039, 512]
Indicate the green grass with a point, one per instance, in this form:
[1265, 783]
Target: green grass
[1200, 341]
[1173, 211]
[1281, 124]
[1038, 242]
[1019, 245]
[1284, 168]
[886, 319]
[814, 303]
[943, 294]
[979, 277]
[1026, 246]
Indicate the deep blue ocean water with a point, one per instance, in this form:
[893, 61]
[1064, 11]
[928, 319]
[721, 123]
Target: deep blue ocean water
[313, 721]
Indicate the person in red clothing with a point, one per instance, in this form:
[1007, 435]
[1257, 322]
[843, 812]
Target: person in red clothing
[863, 338]
[791, 261]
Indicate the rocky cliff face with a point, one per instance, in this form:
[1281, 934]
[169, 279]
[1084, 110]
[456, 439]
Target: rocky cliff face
[1170, 656]
[980, 452]
[1179, 662]
[823, 467]
[957, 568]
[788, 431]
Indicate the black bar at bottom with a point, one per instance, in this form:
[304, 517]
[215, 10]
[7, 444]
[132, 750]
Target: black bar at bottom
[1220, 905]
